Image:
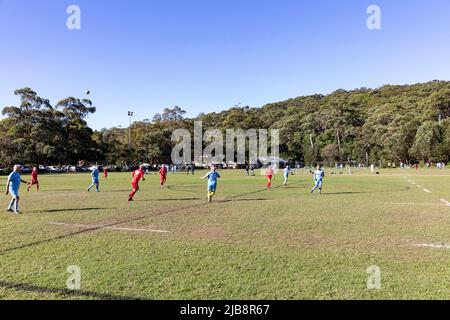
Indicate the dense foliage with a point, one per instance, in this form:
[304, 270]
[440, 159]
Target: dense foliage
[389, 124]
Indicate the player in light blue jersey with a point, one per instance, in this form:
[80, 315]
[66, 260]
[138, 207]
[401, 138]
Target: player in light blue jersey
[12, 187]
[286, 173]
[95, 180]
[212, 177]
[319, 174]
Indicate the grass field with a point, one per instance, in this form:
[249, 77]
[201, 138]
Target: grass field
[248, 244]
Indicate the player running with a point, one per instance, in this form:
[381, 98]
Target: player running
[12, 187]
[105, 172]
[212, 177]
[163, 175]
[95, 180]
[286, 173]
[269, 176]
[34, 179]
[137, 175]
[319, 174]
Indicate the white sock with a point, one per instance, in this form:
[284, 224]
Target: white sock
[11, 204]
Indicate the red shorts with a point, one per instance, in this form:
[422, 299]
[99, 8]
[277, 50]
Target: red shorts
[163, 178]
[269, 177]
[33, 182]
[135, 185]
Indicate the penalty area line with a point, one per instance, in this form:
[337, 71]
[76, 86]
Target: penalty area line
[434, 246]
[106, 227]
[445, 202]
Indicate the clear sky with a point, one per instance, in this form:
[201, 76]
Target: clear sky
[208, 55]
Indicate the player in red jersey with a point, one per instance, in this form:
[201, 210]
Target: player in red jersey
[105, 172]
[163, 175]
[269, 176]
[137, 175]
[34, 179]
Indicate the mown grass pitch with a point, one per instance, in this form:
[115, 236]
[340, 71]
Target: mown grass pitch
[248, 244]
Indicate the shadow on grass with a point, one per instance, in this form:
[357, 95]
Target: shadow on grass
[365, 192]
[65, 292]
[176, 199]
[143, 215]
[244, 200]
[73, 209]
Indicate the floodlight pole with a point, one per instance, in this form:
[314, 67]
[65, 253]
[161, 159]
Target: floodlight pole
[130, 115]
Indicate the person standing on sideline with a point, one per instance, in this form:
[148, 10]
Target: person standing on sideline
[34, 179]
[12, 187]
[95, 180]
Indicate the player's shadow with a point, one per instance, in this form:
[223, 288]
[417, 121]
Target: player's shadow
[162, 200]
[244, 200]
[364, 192]
[344, 193]
[73, 209]
[65, 292]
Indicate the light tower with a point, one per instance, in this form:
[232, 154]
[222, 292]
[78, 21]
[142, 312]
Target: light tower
[130, 116]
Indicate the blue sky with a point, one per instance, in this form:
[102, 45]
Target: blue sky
[208, 55]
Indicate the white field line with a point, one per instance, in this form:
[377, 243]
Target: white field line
[419, 186]
[413, 204]
[106, 227]
[445, 202]
[434, 246]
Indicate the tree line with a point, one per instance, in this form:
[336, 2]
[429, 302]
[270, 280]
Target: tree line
[390, 124]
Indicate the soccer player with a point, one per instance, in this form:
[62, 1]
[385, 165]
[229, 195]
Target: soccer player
[269, 176]
[12, 187]
[95, 180]
[34, 179]
[137, 175]
[319, 174]
[105, 172]
[286, 173]
[212, 177]
[163, 175]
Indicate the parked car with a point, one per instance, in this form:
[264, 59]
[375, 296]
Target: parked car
[71, 169]
[26, 169]
[55, 169]
[44, 169]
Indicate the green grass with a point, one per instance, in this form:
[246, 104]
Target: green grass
[248, 244]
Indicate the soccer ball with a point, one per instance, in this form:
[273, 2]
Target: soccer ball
[88, 92]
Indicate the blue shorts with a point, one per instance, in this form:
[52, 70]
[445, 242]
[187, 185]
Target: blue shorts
[95, 181]
[14, 192]
[318, 184]
[212, 187]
